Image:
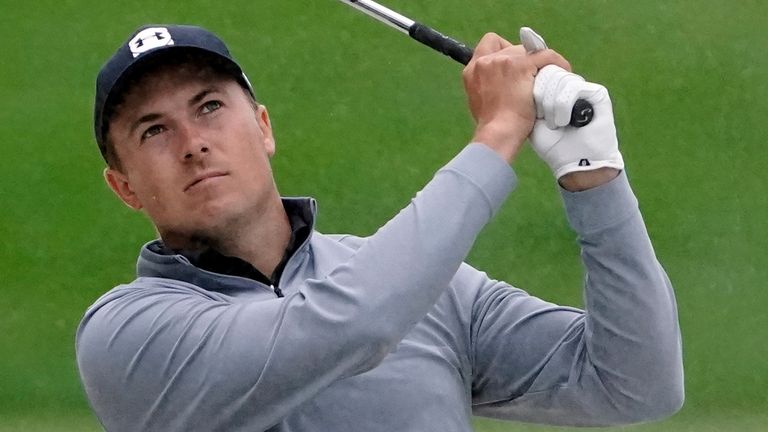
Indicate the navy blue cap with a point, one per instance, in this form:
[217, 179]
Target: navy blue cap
[147, 42]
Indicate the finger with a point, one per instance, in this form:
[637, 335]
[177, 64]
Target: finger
[593, 93]
[551, 100]
[549, 56]
[544, 137]
[546, 89]
[489, 44]
[568, 90]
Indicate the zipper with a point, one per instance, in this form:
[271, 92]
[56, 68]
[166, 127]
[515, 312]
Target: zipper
[278, 292]
[299, 250]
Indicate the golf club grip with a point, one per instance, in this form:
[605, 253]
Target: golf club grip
[581, 114]
[442, 43]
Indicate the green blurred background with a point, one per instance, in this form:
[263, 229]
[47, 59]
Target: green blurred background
[363, 117]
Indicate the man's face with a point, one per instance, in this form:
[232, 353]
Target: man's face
[194, 153]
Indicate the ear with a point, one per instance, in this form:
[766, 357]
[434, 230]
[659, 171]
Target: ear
[119, 184]
[262, 117]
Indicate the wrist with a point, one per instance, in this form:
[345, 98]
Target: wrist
[582, 180]
[499, 139]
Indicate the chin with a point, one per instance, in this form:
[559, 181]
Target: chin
[215, 216]
[225, 212]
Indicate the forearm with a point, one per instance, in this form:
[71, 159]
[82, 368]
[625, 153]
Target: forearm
[617, 362]
[631, 330]
[415, 255]
[396, 275]
[350, 319]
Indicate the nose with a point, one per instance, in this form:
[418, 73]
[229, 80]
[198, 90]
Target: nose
[189, 155]
[193, 144]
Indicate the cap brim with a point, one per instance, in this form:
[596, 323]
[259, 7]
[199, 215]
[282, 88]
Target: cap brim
[118, 86]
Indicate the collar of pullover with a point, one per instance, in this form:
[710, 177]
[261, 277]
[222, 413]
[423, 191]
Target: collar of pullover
[209, 266]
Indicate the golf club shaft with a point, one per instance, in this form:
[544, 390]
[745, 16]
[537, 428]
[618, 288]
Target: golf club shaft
[581, 114]
[426, 35]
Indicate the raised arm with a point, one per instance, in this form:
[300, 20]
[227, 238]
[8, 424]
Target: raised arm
[620, 360]
[164, 355]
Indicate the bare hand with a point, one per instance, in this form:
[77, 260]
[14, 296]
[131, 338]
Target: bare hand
[499, 85]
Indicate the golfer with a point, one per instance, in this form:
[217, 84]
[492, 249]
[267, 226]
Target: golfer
[244, 318]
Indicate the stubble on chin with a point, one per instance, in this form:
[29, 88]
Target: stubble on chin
[214, 232]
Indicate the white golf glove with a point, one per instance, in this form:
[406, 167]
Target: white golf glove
[566, 148]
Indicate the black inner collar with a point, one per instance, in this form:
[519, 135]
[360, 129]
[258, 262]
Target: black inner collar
[211, 260]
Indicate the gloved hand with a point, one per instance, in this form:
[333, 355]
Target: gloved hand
[565, 148]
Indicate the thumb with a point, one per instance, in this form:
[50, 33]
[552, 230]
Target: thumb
[543, 139]
[531, 40]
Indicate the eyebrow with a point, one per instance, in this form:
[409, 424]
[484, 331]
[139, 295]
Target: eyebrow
[143, 119]
[201, 95]
[194, 100]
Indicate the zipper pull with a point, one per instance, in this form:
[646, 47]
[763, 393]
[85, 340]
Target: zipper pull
[277, 291]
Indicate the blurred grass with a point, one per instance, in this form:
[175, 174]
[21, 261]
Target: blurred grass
[363, 117]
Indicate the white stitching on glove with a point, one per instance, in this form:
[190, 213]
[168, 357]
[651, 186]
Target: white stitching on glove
[565, 148]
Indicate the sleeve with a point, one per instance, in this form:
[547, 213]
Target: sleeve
[161, 359]
[617, 362]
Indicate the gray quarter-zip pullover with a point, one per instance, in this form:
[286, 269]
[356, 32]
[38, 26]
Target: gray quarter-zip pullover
[393, 332]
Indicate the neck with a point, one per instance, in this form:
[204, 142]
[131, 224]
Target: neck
[260, 239]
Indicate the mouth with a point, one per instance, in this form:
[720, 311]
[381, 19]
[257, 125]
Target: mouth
[204, 177]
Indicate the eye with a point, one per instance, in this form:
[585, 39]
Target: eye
[152, 131]
[210, 106]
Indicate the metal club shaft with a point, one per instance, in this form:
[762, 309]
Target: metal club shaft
[426, 35]
[582, 112]
[383, 14]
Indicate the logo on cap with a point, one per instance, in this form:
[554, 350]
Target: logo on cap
[149, 39]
